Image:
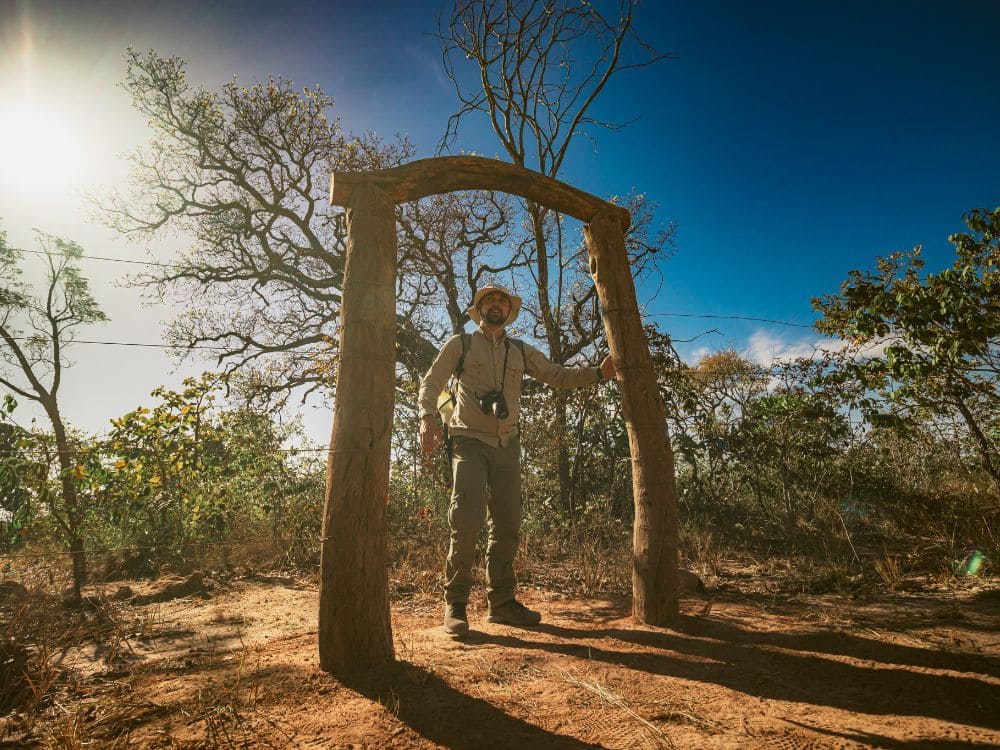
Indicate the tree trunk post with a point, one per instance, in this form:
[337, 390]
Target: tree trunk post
[70, 500]
[354, 610]
[355, 633]
[654, 537]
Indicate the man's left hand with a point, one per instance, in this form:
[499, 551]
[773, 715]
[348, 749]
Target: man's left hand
[608, 369]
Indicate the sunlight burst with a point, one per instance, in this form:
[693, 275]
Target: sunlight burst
[39, 151]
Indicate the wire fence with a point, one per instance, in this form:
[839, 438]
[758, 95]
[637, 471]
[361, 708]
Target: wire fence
[176, 266]
[222, 348]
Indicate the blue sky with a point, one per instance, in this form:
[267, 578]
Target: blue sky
[807, 138]
[790, 141]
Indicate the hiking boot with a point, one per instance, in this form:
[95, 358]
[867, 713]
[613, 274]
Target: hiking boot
[456, 622]
[513, 613]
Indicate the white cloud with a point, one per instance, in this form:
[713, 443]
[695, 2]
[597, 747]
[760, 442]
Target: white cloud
[697, 355]
[767, 349]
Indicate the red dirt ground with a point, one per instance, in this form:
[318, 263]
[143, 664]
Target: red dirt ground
[240, 669]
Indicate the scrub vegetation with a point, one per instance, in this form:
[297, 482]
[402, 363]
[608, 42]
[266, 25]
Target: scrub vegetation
[835, 510]
[160, 580]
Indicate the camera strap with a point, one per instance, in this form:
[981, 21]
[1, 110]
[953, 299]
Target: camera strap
[506, 353]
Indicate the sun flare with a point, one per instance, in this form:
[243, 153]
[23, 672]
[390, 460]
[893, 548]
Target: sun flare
[39, 150]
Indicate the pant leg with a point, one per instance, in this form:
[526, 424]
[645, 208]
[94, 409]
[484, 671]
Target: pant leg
[466, 514]
[505, 521]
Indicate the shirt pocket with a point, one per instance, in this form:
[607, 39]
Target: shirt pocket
[514, 372]
[477, 379]
[516, 364]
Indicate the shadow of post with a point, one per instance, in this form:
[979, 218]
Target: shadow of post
[448, 717]
[868, 739]
[731, 657]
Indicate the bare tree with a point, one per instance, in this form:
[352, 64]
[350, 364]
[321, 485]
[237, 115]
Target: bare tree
[35, 332]
[534, 69]
[539, 66]
[450, 245]
[244, 172]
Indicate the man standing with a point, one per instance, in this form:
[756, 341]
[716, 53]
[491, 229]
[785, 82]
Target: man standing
[486, 449]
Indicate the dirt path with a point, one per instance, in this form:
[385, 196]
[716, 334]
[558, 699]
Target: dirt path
[240, 669]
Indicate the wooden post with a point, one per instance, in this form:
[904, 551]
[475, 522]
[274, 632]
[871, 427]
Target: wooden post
[654, 536]
[354, 626]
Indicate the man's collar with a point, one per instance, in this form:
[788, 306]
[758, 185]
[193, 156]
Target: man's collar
[491, 337]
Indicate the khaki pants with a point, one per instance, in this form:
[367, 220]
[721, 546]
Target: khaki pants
[476, 466]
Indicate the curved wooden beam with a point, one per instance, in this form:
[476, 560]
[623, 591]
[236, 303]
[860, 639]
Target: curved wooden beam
[444, 174]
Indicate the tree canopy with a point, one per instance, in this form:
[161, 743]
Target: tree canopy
[927, 341]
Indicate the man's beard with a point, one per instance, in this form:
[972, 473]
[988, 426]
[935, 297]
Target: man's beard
[494, 316]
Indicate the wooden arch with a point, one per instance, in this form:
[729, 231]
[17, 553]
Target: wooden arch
[354, 625]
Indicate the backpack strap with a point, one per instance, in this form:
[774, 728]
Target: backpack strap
[461, 360]
[520, 345]
[524, 366]
[524, 359]
[467, 339]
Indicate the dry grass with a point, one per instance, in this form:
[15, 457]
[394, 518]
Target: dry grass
[889, 570]
[657, 735]
[39, 628]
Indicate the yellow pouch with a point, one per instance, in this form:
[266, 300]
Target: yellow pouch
[446, 405]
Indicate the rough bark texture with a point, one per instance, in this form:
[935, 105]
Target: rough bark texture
[354, 627]
[654, 537]
[71, 505]
[444, 174]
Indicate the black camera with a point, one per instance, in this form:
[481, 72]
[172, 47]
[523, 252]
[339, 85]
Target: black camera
[494, 403]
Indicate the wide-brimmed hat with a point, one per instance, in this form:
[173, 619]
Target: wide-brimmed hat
[515, 304]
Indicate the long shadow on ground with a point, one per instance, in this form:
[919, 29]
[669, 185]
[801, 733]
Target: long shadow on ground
[750, 662]
[896, 612]
[832, 642]
[913, 612]
[448, 717]
[867, 739]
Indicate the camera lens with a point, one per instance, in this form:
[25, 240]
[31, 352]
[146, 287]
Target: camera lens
[494, 403]
[486, 403]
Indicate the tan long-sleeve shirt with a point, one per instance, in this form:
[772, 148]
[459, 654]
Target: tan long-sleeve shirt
[484, 371]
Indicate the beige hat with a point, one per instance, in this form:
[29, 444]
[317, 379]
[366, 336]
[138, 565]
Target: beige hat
[515, 304]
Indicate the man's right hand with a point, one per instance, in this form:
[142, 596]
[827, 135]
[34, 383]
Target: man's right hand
[430, 434]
